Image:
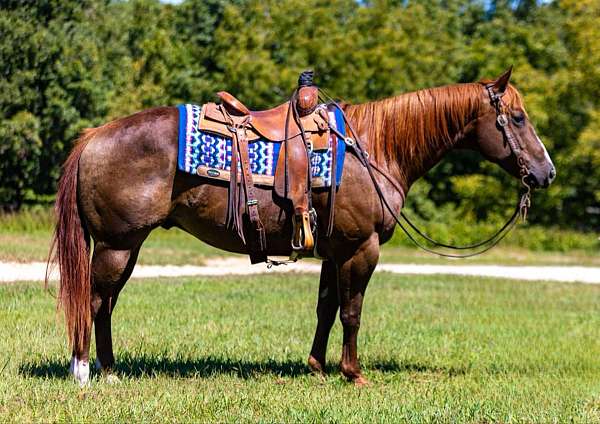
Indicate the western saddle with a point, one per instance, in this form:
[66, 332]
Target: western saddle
[300, 125]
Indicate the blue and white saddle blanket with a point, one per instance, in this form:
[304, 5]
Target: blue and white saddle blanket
[209, 155]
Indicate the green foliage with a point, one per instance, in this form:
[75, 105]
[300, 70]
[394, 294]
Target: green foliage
[20, 151]
[67, 64]
[51, 67]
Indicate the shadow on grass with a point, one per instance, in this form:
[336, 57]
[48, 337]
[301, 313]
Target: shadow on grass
[148, 366]
[395, 366]
[151, 366]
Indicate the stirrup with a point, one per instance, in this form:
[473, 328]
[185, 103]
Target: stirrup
[302, 239]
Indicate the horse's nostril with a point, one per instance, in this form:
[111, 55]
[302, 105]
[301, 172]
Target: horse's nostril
[531, 180]
[552, 174]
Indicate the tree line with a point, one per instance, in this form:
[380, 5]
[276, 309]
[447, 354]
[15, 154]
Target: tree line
[67, 64]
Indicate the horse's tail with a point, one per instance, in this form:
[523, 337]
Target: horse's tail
[71, 249]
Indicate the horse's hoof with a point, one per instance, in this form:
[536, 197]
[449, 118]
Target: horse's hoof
[107, 374]
[112, 379]
[315, 366]
[361, 381]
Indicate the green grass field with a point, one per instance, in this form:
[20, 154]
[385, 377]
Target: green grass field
[436, 349]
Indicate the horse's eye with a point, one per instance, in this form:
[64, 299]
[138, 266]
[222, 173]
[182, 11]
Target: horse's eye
[519, 118]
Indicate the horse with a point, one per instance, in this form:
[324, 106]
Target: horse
[121, 181]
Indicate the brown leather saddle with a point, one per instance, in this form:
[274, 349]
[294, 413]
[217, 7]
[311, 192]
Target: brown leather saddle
[301, 125]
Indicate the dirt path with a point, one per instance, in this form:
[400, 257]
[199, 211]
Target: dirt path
[11, 271]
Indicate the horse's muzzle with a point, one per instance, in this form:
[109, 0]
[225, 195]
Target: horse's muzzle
[536, 181]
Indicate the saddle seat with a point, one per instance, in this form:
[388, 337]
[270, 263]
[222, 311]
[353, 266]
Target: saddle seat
[267, 124]
[271, 118]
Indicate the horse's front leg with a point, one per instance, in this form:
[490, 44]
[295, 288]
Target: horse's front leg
[354, 275]
[327, 306]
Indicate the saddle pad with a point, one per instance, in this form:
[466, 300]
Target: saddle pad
[209, 155]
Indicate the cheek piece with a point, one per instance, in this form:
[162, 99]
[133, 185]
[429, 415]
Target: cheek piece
[515, 144]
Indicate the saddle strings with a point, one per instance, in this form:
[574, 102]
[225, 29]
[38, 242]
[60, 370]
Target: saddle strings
[489, 243]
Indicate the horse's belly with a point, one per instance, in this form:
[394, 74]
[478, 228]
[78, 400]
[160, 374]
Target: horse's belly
[202, 211]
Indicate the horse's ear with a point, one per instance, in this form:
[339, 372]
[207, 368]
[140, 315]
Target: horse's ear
[502, 81]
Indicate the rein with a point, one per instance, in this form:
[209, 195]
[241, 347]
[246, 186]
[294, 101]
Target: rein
[520, 211]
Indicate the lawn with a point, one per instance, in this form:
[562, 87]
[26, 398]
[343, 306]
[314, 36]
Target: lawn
[162, 247]
[435, 348]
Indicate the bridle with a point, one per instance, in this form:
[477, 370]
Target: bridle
[514, 143]
[502, 120]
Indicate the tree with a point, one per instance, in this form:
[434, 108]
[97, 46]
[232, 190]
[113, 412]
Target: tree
[49, 90]
[67, 64]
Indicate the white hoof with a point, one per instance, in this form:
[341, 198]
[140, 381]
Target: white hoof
[80, 370]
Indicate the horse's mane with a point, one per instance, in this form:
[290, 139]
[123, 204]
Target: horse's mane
[405, 130]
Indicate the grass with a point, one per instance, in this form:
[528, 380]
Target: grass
[173, 247]
[501, 254]
[436, 349]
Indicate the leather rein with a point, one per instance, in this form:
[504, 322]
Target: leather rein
[521, 209]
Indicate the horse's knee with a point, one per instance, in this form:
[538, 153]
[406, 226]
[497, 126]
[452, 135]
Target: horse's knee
[350, 318]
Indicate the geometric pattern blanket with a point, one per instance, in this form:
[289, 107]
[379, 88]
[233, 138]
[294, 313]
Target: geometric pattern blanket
[209, 155]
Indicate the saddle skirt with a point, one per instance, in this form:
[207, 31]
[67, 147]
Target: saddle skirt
[209, 153]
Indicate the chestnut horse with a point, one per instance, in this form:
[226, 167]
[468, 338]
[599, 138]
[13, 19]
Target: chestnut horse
[121, 181]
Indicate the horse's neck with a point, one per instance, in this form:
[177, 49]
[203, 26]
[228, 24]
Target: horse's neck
[424, 163]
[408, 150]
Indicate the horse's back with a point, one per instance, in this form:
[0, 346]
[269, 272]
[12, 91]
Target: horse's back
[126, 172]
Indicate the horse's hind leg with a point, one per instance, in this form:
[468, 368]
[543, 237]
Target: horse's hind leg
[110, 270]
[327, 307]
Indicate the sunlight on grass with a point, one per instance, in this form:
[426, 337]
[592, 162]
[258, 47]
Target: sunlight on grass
[224, 349]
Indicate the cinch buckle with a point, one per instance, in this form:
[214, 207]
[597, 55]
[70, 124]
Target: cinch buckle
[349, 141]
[252, 202]
[502, 120]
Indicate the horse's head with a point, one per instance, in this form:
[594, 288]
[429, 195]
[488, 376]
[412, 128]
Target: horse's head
[505, 135]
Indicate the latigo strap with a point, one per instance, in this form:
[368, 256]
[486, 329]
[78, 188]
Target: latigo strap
[257, 240]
